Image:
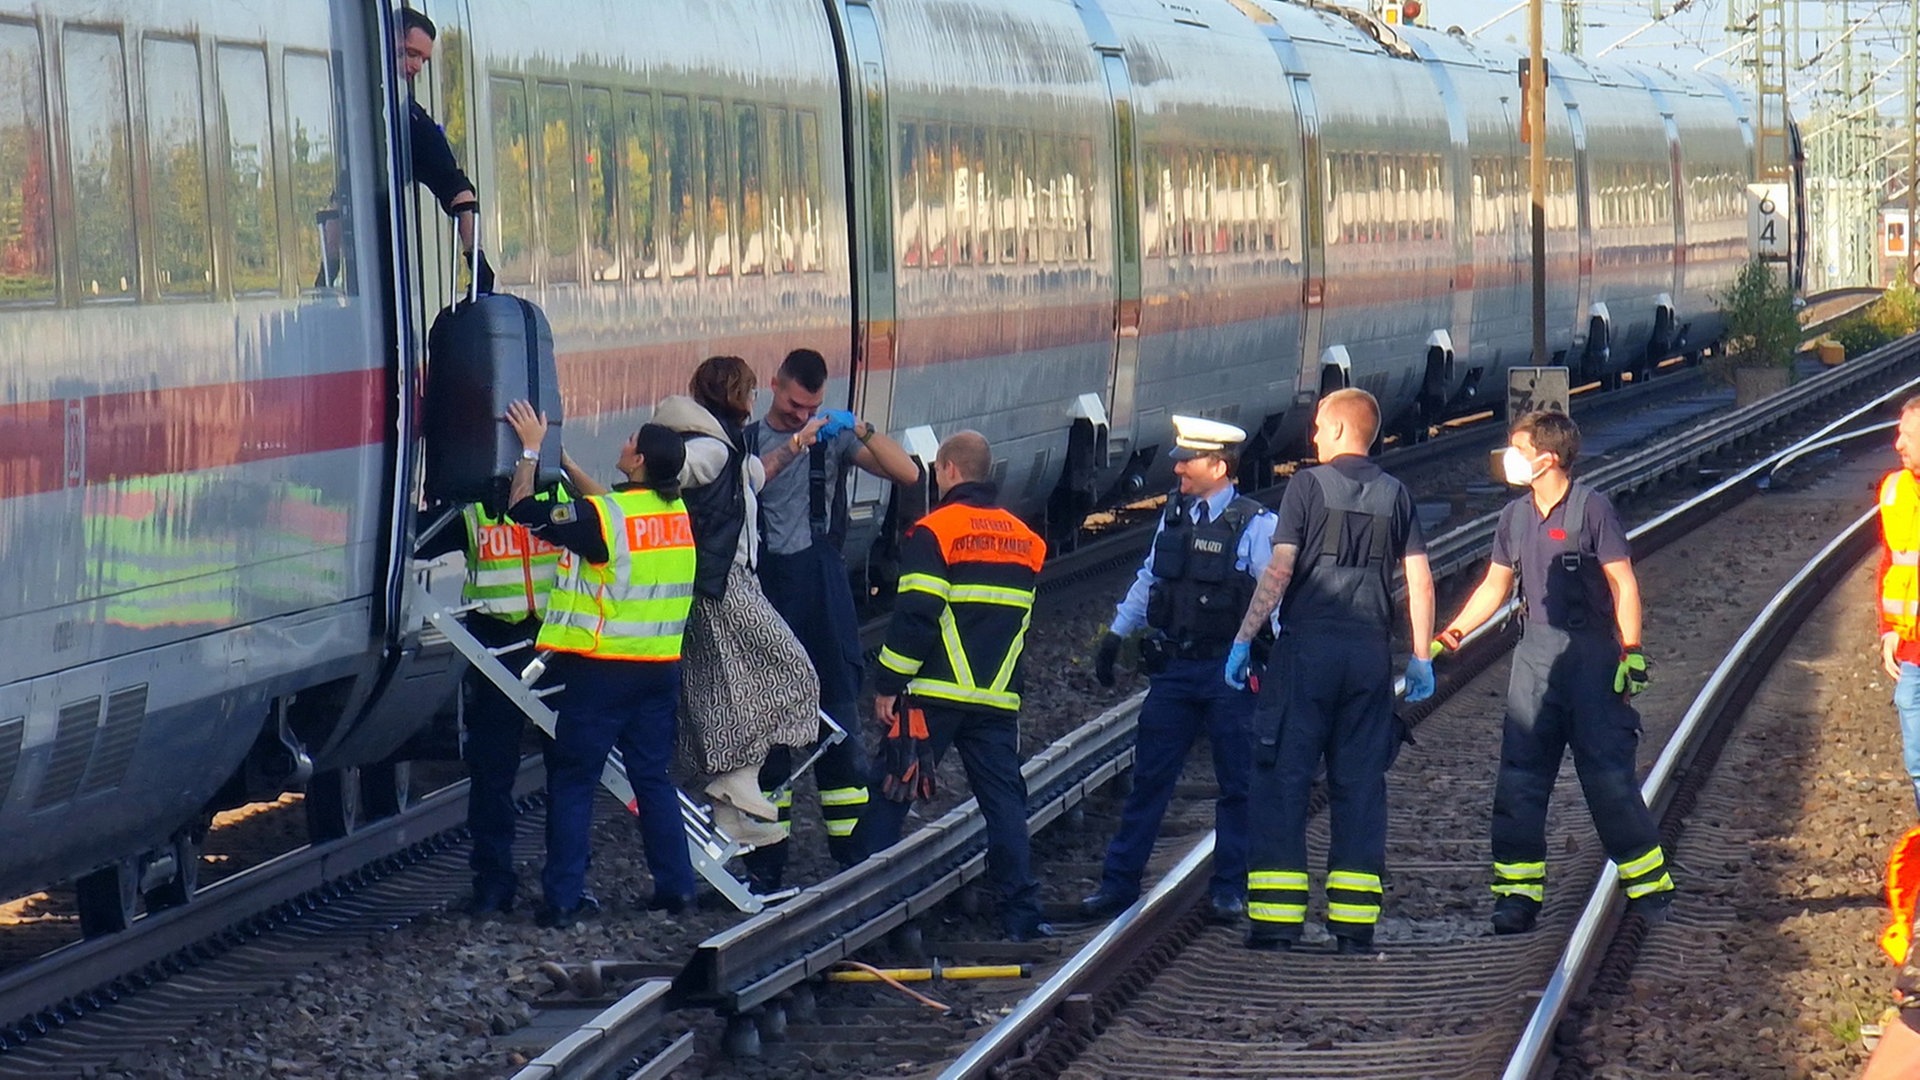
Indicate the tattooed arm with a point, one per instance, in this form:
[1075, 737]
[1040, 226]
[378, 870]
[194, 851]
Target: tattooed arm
[1267, 594]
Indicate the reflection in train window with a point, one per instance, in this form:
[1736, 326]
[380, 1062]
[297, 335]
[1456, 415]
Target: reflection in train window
[176, 168]
[934, 182]
[314, 170]
[719, 174]
[511, 246]
[912, 239]
[783, 199]
[250, 197]
[683, 192]
[812, 228]
[978, 194]
[26, 198]
[636, 184]
[598, 153]
[1080, 190]
[100, 159]
[558, 209]
[752, 208]
[960, 201]
[1045, 222]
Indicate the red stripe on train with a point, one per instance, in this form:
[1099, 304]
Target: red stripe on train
[186, 429]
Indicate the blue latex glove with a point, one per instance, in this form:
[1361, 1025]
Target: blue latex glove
[1239, 660]
[1419, 679]
[839, 421]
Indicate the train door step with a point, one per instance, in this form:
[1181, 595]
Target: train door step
[707, 845]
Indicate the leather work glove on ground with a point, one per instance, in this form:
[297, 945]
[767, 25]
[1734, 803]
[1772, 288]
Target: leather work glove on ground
[907, 754]
[1631, 676]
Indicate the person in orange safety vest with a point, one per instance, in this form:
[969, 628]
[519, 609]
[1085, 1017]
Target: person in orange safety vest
[1900, 584]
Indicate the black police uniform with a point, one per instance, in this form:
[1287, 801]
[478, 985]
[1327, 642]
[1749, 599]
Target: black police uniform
[1194, 607]
[1328, 692]
[1561, 694]
[811, 591]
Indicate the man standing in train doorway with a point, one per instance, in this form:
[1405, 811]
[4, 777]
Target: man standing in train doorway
[802, 523]
[433, 162]
[1328, 691]
[1574, 673]
[1211, 547]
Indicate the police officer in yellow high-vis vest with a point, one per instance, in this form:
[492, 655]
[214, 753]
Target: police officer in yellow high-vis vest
[614, 624]
[510, 573]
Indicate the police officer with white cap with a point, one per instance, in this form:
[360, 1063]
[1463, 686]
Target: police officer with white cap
[1212, 546]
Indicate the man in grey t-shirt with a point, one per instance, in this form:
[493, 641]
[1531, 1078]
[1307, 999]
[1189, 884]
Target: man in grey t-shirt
[805, 577]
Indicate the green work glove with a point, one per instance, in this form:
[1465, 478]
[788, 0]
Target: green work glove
[1631, 676]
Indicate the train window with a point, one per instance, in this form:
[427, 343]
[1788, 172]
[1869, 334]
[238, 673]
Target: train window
[1008, 189]
[559, 211]
[1267, 210]
[960, 197]
[449, 72]
[1044, 223]
[511, 246]
[935, 185]
[719, 175]
[99, 158]
[1080, 225]
[314, 167]
[979, 194]
[251, 214]
[599, 150]
[636, 184]
[780, 195]
[912, 241]
[680, 167]
[753, 209]
[177, 167]
[1156, 221]
[813, 234]
[26, 203]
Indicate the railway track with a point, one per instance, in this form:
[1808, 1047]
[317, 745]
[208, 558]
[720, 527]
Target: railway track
[747, 971]
[46, 1000]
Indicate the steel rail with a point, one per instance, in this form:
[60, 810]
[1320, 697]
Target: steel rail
[752, 963]
[89, 975]
[1134, 931]
[1725, 692]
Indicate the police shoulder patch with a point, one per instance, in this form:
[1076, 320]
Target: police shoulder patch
[563, 514]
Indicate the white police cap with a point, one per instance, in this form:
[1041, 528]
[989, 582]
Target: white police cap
[1194, 436]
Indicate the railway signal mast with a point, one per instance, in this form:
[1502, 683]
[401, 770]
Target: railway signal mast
[1533, 131]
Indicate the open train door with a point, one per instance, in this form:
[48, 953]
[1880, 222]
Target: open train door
[1313, 243]
[1126, 254]
[870, 218]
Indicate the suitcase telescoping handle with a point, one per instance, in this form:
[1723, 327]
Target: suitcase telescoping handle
[453, 259]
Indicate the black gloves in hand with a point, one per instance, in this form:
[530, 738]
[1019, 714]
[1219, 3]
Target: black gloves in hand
[1104, 658]
[907, 756]
[483, 275]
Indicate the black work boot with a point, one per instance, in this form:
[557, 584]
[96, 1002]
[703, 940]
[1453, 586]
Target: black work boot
[1515, 914]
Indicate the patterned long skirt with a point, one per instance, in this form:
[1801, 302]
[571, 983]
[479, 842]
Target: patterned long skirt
[745, 683]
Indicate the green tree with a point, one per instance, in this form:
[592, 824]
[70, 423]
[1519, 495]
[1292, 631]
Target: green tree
[1762, 329]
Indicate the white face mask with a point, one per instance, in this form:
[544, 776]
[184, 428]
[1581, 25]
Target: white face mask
[1516, 467]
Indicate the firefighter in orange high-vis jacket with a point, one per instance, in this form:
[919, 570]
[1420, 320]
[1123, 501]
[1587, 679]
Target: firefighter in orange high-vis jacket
[1900, 584]
[967, 574]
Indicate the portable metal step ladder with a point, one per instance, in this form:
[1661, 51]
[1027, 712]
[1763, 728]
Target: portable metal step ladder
[709, 847]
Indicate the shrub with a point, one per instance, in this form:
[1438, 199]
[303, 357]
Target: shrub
[1859, 336]
[1762, 329]
[1897, 312]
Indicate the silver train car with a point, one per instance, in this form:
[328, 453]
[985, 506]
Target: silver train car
[1054, 221]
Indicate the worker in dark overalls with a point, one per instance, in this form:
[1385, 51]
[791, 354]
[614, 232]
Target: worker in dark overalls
[1212, 545]
[1328, 692]
[1577, 667]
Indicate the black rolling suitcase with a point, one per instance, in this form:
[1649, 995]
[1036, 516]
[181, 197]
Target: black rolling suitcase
[484, 353]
